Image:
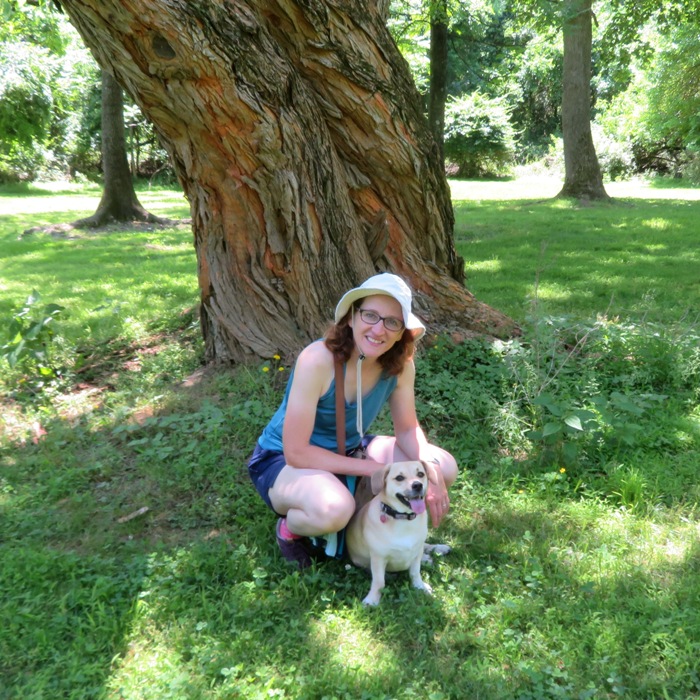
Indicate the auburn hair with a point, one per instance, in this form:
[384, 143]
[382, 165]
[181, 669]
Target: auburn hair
[339, 340]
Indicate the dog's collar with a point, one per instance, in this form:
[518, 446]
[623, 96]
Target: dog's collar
[397, 515]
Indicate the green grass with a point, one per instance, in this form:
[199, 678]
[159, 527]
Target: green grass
[136, 561]
[633, 258]
[112, 284]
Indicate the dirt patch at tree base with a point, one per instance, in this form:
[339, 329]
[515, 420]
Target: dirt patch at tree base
[71, 230]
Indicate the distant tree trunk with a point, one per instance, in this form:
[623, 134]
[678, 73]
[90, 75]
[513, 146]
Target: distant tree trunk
[297, 134]
[438, 75]
[583, 179]
[119, 201]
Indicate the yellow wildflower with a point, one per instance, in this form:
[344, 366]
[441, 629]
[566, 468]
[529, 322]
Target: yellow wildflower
[266, 369]
[562, 470]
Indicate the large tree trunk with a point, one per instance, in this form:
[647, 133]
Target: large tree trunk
[297, 135]
[583, 179]
[119, 201]
[438, 75]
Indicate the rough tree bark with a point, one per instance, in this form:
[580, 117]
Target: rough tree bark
[119, 201]
[297, 135]
[583, 178]
[438, 74]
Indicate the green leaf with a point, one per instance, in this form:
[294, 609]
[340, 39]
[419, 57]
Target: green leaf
[34, 330]
[53, 309]
[549, 403]
[573, 422]
[551, 429]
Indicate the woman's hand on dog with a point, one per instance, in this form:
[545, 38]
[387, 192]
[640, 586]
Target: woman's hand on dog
[437, 500]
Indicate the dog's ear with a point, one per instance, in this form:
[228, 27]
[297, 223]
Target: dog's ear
[431, 471]
[379, 479]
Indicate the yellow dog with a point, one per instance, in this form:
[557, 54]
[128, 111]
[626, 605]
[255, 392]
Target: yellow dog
[388, 533]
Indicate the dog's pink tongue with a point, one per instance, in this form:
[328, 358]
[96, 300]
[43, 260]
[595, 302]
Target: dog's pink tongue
[418, 506]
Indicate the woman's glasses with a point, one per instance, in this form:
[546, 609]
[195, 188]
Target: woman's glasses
[391, 323]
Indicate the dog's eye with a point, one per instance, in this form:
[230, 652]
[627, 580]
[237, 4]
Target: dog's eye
[400, 477]
[421, 475]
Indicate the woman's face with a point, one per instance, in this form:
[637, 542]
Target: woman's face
[375, 339]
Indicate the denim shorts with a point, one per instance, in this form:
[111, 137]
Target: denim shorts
[265, 465]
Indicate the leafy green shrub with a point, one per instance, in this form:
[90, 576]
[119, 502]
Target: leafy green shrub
[653, 125]
[691, 167]
[29, 341]
[566, 395]
[614, 153]
[462, 385]
[479, 138]
[25, 108]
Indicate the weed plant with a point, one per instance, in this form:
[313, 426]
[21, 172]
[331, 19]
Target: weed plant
[137, 562]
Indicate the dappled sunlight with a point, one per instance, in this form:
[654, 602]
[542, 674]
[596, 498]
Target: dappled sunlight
[161, 576]
[79, 403]
[553, 292]
[73, 202]
[539, 187]
[533, 187]
[350, 643]
[493, 265]
[653, 248]
[657, 224]
[646, 189]
[149, 662]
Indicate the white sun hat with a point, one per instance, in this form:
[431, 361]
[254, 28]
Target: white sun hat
[388, 285]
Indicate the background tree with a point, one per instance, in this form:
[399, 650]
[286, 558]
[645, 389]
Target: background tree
[299, 140]
[582, 176]
[119, 201]
[50, 102]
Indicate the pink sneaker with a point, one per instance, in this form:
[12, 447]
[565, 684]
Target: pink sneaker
[295, 550]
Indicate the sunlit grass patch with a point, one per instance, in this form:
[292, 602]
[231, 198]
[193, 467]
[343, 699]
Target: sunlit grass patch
[612, 250]
[493, 265]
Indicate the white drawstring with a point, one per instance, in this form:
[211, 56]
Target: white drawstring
[360, 428]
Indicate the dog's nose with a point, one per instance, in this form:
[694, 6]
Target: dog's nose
[417, 486]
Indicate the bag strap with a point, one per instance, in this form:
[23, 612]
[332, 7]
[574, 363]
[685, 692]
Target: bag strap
[340, 406]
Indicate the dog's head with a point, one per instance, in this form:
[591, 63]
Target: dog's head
[404, 485]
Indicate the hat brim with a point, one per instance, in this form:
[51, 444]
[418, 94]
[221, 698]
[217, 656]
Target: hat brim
[411, 321]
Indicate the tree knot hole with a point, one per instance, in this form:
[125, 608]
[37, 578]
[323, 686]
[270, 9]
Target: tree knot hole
[162, 48]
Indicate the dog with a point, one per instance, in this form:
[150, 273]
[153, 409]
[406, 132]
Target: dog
[388, 533]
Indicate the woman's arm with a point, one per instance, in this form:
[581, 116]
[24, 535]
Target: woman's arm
[312, 377]
[411, 440]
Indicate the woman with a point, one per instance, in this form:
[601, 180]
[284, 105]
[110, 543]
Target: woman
[296, 467]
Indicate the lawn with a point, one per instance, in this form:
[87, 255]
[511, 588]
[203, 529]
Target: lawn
[632, 258]
[136, 562]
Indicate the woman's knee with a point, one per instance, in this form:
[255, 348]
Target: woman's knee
[331, 511]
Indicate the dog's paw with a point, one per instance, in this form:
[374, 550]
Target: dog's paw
[372, 599]
[439, 550]
[423, 586]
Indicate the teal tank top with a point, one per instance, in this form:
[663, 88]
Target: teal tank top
[323, 434]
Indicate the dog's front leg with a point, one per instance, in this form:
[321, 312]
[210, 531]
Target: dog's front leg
[378, 567]
[414, 573]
